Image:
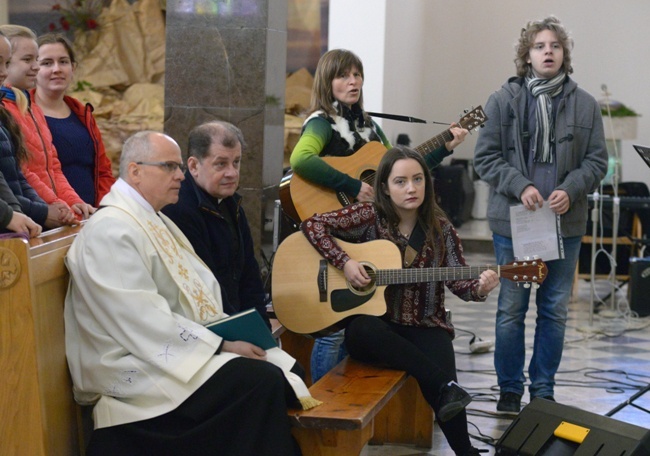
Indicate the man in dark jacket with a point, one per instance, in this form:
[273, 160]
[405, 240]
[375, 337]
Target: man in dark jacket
[209, 213]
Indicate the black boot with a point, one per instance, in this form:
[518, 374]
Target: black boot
[451, 400]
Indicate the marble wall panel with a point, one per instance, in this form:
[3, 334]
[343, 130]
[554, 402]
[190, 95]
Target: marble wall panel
[227, 61]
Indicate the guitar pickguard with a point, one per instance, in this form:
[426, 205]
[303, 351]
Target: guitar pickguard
[344, 300]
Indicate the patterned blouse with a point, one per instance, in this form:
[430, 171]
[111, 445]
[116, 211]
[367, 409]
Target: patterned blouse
[416, 304]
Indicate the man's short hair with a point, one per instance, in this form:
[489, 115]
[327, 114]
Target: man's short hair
[136, 148]
[203, 136]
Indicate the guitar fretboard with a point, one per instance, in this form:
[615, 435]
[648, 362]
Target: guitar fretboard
[415, 275]
[435, 142]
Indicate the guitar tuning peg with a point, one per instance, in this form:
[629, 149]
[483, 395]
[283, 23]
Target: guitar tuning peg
[535, 286]
[527, 285]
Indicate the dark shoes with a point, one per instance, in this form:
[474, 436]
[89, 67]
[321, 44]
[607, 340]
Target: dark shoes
[509, 403]
[451, 400]
[475, 452]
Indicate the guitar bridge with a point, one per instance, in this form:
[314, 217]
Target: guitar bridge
[344, 200]
[322, 280]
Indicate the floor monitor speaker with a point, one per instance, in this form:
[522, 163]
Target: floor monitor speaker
[546, 428]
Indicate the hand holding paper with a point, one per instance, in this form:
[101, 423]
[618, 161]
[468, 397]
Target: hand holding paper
[536, 233]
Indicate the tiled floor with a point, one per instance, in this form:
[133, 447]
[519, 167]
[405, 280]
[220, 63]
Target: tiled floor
[597, 373]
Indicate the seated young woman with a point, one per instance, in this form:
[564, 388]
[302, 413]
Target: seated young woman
[415, 335]
[75, 134]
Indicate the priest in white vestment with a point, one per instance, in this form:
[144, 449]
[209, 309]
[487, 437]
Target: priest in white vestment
[138, 300]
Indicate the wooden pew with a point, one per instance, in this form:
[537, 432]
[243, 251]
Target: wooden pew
[361, 404]
[40, 418]
[39, 415]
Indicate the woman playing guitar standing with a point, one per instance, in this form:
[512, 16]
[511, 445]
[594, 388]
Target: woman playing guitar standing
[415, 334]
[338, 126]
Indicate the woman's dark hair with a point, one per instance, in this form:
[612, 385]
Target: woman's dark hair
[57, 38]
[429, 213]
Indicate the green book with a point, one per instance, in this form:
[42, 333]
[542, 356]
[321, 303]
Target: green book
[248, 326]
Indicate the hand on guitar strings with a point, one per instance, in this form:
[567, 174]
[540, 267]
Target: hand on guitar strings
[367, 192]
[356, 274]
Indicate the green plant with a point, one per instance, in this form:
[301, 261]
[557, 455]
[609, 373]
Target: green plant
[81, 86]
[618, 110]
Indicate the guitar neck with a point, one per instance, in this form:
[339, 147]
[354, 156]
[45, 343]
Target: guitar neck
[416, 275]
[435, 142]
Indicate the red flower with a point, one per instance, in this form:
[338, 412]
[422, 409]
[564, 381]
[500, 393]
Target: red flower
[52, 26]
[91, 24]
[56, 7]
[65, 24]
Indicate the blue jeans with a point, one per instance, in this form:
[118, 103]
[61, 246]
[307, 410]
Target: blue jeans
[552, 299]
[328, 351]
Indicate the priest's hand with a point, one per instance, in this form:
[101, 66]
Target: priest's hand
[245, 349]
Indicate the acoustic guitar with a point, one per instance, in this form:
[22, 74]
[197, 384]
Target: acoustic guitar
[301, 198]
[310, 296]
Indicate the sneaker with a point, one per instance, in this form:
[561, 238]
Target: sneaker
[451, 400]
[509, 403]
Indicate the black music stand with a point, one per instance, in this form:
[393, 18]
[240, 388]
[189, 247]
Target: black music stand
[630, 402]
[644, 152]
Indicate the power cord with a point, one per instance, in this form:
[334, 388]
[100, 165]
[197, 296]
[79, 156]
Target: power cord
[476, 344]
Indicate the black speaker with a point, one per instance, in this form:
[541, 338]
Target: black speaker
[639, 286]
[546, 428]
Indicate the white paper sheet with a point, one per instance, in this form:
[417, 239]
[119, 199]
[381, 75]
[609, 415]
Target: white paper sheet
[536, 233]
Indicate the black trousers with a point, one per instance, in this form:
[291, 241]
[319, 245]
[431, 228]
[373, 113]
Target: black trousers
[240, 411]
[425, 353]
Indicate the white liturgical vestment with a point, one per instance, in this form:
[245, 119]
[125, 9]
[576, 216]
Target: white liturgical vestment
[133, 341]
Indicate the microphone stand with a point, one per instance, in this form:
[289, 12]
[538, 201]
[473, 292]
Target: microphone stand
[616, 203]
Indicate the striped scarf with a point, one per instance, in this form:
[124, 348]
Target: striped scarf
[543, 90]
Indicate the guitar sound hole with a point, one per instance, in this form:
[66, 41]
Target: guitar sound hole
[364, 290]
[368, 176]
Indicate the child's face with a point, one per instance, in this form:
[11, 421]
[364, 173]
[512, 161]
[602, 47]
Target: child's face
[23, 67]
[5, 55]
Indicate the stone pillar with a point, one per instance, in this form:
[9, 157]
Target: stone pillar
[227, 61]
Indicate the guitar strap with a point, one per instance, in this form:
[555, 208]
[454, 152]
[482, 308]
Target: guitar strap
[416, 241]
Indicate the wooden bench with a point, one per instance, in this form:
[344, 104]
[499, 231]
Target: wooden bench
[40, 418]
[361, 404]
[39, 415]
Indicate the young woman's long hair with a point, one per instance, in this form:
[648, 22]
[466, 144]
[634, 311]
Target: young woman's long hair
[15, 135]
[429, 213]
